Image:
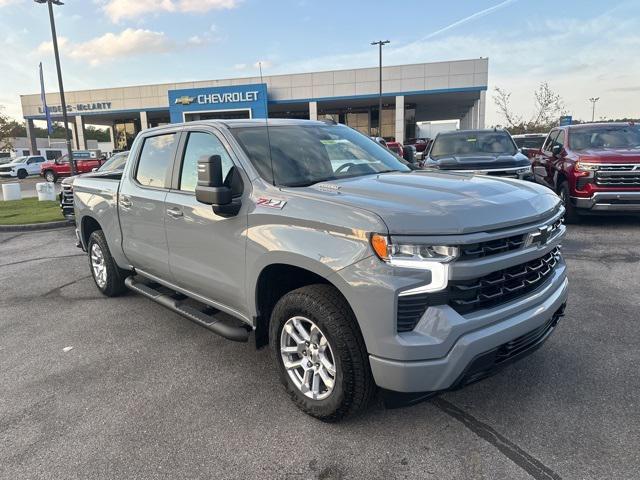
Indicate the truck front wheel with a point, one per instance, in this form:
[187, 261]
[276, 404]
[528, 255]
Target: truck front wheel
[109, 278]
[22, 174]
[570, 215]
[320, 354]
[50, 176]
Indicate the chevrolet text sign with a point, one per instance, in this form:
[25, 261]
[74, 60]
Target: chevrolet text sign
[185, 104]
[228, 97]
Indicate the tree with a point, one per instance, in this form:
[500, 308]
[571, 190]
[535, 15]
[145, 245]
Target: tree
[548, 109]
[10, 128]
[6, 129]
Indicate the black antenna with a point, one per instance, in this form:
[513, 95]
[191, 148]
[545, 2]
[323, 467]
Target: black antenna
[266, 122]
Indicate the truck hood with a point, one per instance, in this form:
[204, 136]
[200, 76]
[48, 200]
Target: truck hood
[12, 164]
[610, 155]
[424, 203]
[480, 161]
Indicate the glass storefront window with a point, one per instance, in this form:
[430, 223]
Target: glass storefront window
[125, 132]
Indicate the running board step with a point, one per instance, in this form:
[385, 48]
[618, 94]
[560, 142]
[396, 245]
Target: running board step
[202, 318]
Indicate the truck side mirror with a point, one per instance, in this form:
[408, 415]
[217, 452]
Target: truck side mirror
[556, 150]
[211, 189]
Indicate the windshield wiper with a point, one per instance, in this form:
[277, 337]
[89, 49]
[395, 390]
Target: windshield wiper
[305, 184]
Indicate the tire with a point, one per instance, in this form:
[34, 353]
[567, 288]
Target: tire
[108, 277]
[571, 215]
[353, 385]
[22, 174]
[50, 176]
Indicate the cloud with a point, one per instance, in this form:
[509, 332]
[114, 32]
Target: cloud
[6, 3]
[265, 64]
[240, 66]
[470, 18]
[118, 10]
[110, 46]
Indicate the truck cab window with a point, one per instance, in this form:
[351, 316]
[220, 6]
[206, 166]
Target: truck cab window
[200, 144]
[155, 159]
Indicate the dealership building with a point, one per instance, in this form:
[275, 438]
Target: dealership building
[410, 94]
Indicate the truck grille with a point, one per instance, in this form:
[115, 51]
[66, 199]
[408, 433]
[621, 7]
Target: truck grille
[502, 286]
[66, 195]
[489, 291]
[618, 176]
[492, 247]
[5, 169]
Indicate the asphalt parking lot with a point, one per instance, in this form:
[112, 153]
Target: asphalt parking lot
[144, 393]
[27, 185]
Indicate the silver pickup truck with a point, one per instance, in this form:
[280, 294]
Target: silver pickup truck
[360, 273]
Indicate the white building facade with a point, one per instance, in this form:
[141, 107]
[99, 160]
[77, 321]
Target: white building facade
[413, 93]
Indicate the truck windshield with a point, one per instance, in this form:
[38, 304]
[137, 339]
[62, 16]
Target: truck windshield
[470, 143]
[116, 162]
[530, 142]
[306, 154]
[603, 136]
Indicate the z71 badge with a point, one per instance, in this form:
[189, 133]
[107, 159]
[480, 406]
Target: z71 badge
[271, 202]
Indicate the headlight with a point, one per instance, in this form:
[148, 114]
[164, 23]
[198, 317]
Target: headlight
[587, 167]
[434, 258]
[411, 255]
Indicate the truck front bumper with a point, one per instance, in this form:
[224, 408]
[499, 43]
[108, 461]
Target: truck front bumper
[609, 201]
[477, 353]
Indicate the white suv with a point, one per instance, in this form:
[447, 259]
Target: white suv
[22, 167]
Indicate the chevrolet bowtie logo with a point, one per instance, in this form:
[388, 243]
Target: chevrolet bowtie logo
[540, 237]
[185, 100]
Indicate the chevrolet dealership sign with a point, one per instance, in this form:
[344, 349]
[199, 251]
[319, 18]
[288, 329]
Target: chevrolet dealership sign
[184, 103]
[208, 98]
[79, 107]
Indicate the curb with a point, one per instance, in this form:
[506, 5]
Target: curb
[34, 227]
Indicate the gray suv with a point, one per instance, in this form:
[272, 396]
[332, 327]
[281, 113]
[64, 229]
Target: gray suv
[361, 274]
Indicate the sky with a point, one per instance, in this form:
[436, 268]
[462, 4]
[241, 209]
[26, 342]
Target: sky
[582, 48]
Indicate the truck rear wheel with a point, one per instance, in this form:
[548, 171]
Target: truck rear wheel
[570, 215]
[109, 278]
[50, 176]
[320, 353]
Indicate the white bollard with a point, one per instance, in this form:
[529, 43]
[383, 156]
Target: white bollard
[11, 191]
[46, 191]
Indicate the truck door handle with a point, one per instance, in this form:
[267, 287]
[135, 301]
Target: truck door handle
[125, 202]
[174, 212]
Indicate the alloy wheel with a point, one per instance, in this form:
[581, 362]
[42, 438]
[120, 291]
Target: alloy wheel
[98, 265]
[308, 358]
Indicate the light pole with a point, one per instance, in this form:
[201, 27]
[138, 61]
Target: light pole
[593, 101]
[380, 43]
[50, 3]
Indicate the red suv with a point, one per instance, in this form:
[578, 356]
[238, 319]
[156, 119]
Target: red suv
[86, 161]
[594, 167]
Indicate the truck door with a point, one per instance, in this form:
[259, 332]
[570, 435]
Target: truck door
[542, 161]
[141, 204]
[206, 251]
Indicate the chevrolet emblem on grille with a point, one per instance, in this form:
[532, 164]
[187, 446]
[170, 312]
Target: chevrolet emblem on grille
[540, 237]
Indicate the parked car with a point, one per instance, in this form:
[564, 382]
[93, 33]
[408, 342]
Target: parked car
[380, 141]
[22, 167]
[530, 144]
[595, 168]
[421, 145]
[358, 272]
[396, 147]
[86, 161]
[113, 166]
[489, 152]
